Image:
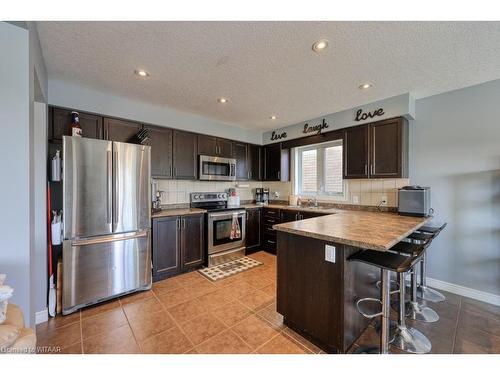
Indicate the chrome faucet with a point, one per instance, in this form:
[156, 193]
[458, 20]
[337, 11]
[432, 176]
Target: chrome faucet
[313, 202]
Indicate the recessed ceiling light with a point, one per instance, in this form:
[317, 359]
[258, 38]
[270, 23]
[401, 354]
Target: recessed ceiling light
[222, 100]
[273, 117]
[320, 45]
[141, 73]
[365, 86]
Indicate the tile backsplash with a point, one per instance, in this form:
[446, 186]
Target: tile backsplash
[177, 191]
[367, 192]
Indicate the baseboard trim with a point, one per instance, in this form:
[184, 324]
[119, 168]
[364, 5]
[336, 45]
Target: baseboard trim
[41, 316]
[464, 291]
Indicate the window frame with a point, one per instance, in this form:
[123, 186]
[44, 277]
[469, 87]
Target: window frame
[321, 175]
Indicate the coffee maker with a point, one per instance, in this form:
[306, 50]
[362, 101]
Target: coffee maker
[262, 195]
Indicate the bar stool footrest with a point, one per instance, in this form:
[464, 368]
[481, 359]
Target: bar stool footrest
[367, 313]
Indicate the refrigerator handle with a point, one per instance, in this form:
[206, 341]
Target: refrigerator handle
[116, 189]
[109, 185]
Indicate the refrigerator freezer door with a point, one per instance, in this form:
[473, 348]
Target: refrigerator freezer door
[99, 268]
[87, 182]
[131, 187]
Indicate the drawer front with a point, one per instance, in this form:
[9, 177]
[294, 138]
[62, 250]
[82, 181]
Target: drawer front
[272, 213]
[268, 230]
[269, 242]
[271, 221]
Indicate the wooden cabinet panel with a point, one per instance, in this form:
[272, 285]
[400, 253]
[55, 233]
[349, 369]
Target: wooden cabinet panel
[60, 120]
[288, 215]
[207, 145]
[192, 249]
[185, 147]
[310, 301]
[161, 152]
[272, 162]
[356, 152]
[166, 245]
[213, 146]
[387, 148]
[241, 156]
[253, 225]
[254, 162]
[276, 163]
[225, 148]
[120, 130]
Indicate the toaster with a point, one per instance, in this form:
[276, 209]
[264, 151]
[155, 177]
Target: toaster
[414, 201]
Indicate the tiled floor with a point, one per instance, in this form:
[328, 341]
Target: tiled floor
[189, 314]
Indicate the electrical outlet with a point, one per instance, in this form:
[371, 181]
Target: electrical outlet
[384, 200]
[355, 199]
[330, 253]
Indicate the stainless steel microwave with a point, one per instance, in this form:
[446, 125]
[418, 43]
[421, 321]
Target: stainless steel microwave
[213, 168]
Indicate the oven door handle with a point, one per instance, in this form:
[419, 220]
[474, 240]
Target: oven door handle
[226, 214]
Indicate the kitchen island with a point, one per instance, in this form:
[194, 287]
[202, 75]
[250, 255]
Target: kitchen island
[317, 287]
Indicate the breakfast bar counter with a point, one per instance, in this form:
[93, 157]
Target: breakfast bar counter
[363, 229]
[317, 285]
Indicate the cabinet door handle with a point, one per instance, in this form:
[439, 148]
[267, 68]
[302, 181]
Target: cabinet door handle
[366, 168]
[279, 175]
[170, 171]
[372, 170]
[183, 223]
[178, 222]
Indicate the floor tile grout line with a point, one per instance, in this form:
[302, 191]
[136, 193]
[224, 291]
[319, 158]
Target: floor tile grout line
[129, 325]
[175, 321]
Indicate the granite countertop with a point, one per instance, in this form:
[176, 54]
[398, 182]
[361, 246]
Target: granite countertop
[363, 229]
[177, 212]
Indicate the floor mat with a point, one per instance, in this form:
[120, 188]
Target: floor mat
[224, 270]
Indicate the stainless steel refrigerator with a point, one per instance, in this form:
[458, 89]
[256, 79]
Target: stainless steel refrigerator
[106, 220]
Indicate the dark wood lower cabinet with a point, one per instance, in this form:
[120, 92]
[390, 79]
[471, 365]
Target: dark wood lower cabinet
[318, 298]
[166, 246]
[192, 238]
[177, 245]
[253, 224]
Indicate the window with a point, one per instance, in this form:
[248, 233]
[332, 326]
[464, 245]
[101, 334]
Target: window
[319, 169]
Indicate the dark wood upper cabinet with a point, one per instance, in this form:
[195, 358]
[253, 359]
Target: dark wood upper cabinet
[253, 229]
[225, 148]
[377, 150]
[276, 163]
[60, 120]
[389, 149]
[207, 145]
[185, 147]
[120, 130]
[254, 162]
[213, 146]
[356, 151]
[161, 151]
[166, 244]
[192, 249]
[241, 156]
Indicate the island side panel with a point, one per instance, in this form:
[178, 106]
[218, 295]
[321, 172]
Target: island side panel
[309, 290]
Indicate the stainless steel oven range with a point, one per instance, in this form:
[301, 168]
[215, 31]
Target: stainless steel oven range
[221, 246]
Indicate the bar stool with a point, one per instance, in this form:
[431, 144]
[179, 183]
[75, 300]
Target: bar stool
[386, 261]
[423, 291]
[415, 309]
[403, 337]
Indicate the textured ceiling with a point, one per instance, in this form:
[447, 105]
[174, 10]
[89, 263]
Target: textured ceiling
[266, 68]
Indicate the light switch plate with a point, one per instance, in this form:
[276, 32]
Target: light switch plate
[384, 200]
[330, 253]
